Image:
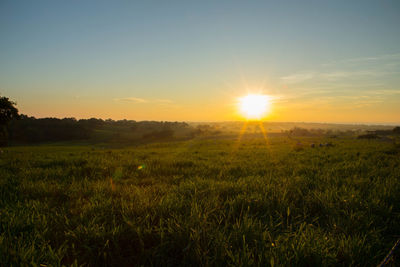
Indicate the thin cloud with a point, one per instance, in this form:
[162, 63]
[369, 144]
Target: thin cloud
[142, 100]
[340, 70]
[298, 77]
[164, 101]
[333, 75]
[386, 92]
[366, 103]
[365, 59]
[131, 99]
[347, 74]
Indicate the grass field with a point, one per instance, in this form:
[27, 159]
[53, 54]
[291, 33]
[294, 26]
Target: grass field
[201, 202]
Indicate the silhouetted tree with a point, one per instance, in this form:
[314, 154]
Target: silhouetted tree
[32, 130]
[368, 136]
[8, 112]
[163, 134]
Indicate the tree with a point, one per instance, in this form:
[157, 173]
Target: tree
[8, 112]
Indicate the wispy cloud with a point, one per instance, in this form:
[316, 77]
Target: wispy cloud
[385, 92]
[343, 102]
[332, 75]
[368, 58]
[298, 77]
[346, 74]
[361, 103]
[164, 101]
[361, 68]
[131, 99]
[142, 100]
[345, 99]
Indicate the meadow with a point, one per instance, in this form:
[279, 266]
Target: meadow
[207, 202]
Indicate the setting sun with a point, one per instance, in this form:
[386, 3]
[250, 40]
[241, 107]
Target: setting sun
[254, 106]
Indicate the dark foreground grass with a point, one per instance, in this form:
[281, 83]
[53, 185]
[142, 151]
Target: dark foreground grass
[210, 202]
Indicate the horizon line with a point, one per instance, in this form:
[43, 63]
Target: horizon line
[229, 121]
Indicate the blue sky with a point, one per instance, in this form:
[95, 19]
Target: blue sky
[332, 61]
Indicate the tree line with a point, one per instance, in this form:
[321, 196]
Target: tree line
[17, 129]
[20, 128]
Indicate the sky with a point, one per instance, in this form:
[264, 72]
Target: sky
[319, 61]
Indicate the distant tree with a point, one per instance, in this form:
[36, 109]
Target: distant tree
[368, 136]
[396, 130]
[163, 134]
[32, 130]
[8, 112]
[297, 131]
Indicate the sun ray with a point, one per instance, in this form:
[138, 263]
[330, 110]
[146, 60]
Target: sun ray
[264, 133]
[242, 131]
[238, 140]
[234, 149]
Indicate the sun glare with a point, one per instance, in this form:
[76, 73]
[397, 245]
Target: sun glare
[254, 106]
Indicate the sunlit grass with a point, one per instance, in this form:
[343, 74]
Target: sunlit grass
[170, 204]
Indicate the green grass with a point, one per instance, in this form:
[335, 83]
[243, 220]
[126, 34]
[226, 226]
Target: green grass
[200, 202]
